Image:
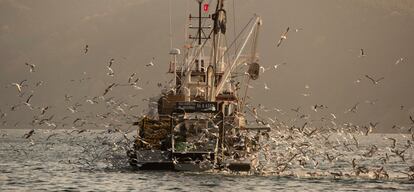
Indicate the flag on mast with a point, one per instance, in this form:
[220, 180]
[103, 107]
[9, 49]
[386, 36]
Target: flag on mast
[205, 7]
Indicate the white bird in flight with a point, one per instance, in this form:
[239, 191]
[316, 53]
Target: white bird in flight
[19, 85]
[264, 69]
[400, 60]
[266, 87]
[111, 62]
[277, 65]
[111, 71]
[375, 82]
[151, 63]
[32, 66]
[283, 37]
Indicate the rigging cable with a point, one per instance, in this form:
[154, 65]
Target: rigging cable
[234, 26]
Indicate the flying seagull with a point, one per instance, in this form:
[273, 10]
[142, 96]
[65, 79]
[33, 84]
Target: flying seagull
[353, 109]
[27, 103]
[111, 71]
[43, 110]
[111, 62]
[277, 65]
[375, 82]
[400, 60]
[19, 85]
[109, 88]
[150, 64]
[29, 134]
[362, 53]
[131, 77]
[264, 69]
[32, 67]
[86, 48]
[282, 37]
[298, 29]
[266, 87]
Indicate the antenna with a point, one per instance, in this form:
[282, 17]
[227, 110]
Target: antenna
[169, 11]
[200, 28]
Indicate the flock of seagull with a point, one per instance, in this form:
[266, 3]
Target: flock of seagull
[118, 108]
[304, 140]
[312, 144]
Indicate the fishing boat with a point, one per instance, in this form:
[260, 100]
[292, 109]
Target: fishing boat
[199, 123]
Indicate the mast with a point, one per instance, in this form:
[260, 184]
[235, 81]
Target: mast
[219, 29]
[213, 78]
[195, 61]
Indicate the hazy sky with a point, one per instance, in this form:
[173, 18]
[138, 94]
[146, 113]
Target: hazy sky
[324, 55]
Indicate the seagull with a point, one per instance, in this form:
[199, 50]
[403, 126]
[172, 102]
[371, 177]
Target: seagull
[111, 71]
[27, 103]
[399, 153]
[39, 83]
[43, 110]
[150, 64]
[362, 53]
[111, 61]
[368, 129]
[353, 109]
[282, 37]
[3, 115]
[76, 120]
[42, 121]
[131, 77]
[373, 125]
[394, 141]
[298, 29]
[32, 67]
[90, 101]
[399, 61]
[29, 134]
[19, 85]
[370, 102]
[264, 69]
[375, 82]
[266, 87]
[412, 119]
[137, 87]
[68, 97]
[109, 88]
[277, 65]
[316, 107]
[306, 94]
[72, 109]
[86, 48]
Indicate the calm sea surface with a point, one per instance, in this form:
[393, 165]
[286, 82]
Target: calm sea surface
[95, 161]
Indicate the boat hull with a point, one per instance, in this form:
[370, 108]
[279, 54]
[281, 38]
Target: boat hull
[191, 161]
